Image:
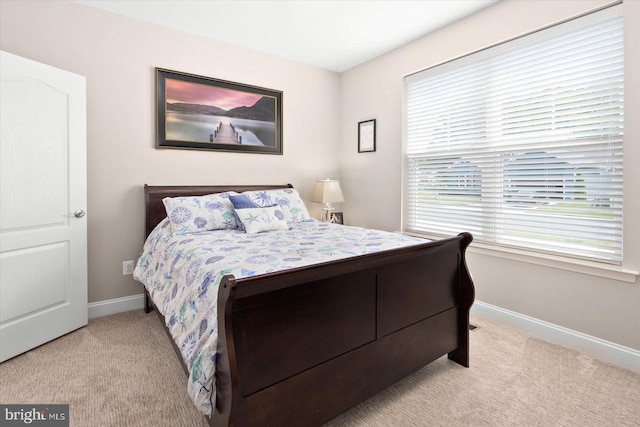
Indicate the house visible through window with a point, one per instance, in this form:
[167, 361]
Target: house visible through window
[521, 144]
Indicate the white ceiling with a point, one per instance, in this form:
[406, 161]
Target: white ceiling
[335, 35]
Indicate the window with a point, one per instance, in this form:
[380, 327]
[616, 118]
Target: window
[521, 144]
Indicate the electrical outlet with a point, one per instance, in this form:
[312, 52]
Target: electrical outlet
[127, 267]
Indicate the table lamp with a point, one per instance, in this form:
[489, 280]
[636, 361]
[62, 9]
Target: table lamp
[327, 191]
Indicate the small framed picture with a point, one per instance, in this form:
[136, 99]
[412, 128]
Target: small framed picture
[339, 218]
[367, 136]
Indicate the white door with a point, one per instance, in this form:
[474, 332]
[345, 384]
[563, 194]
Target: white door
[43, 229]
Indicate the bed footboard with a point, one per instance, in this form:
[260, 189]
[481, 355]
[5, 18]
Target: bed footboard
[299, 347]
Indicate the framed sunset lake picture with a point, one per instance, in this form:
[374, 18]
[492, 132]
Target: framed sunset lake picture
[203, 113]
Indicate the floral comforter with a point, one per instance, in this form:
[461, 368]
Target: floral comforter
[182, 273]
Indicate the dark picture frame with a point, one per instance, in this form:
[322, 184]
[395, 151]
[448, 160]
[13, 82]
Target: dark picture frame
[204, 113]
[339, 218]
[367, 136]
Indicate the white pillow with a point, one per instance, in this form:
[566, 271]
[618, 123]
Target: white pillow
[292, 206]
[195, 214]
[256, 220]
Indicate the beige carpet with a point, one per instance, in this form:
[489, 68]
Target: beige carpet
[121, 370]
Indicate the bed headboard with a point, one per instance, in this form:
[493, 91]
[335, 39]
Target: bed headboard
[153, 195]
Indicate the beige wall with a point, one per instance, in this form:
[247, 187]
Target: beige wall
[604, 308]
[118, 56]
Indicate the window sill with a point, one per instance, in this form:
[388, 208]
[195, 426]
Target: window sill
[591, 268]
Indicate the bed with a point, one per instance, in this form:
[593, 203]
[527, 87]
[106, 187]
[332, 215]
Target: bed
[300, 346]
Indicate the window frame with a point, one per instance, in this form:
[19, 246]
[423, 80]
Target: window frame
[566, 262]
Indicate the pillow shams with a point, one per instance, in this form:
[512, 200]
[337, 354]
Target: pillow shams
[200, 213]
[292, 206]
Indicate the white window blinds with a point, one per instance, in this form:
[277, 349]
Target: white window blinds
[521, 144]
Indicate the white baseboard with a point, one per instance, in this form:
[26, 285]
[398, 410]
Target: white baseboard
[116, 305]
[595, 347]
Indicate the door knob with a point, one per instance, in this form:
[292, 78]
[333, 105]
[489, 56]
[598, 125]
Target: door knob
[79, 213]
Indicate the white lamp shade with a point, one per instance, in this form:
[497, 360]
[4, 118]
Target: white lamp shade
[327, 191]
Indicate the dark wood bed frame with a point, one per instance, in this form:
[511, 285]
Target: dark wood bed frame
[298, 347]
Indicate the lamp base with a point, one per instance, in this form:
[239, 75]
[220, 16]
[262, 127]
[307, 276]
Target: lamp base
[327, 214]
